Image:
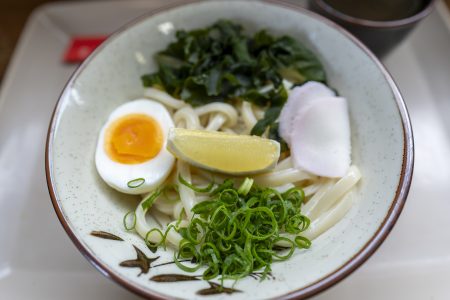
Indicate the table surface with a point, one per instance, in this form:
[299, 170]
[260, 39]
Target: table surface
[13, 15]
[413, 263]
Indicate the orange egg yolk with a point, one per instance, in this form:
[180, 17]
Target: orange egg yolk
[133, 139]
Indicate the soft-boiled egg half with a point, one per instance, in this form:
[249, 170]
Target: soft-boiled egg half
[131, 154]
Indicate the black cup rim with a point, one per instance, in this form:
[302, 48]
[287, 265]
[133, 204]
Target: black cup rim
[375, 24]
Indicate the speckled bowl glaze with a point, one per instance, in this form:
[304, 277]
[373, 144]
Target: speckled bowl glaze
[381, 140]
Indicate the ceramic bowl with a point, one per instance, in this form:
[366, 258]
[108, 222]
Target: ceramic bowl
[381, 140]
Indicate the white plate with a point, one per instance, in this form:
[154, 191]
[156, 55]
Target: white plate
[414, 262]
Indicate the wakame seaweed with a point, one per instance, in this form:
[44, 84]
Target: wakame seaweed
[222, 63]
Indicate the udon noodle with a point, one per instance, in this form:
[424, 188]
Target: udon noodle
[327, 199]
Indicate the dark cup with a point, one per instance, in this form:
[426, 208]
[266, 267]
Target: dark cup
[379, 36]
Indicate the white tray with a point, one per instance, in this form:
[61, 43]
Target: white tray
[37, 259]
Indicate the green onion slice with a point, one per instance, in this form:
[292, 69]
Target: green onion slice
[245, 186]
[195, 188]
[127, 222]
[302, 242]
[148, 202]
[135, 183]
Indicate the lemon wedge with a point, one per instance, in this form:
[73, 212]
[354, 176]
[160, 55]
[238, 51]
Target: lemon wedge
[223, 152]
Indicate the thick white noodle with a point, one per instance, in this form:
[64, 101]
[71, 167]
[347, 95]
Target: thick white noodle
[284, 164]
[187, 195]
[198, 180]
[287, 85]
[163, 97]
[160, 217]
[216, 121]
[228, 130]
[282, 177]
[258, 112]
[284, 188]
[164, 206]
[144, 225]
[171, 195]
[179, 223]
[201, 198]
[219, 107]
[247, 115]
[325, 222]
[335, 193]
[174, 237]
[314, 187]
[330, 218]
[321, 191]
[177, 210]
[189, 117]
[208, 176]
[181, 124]
[266, 88]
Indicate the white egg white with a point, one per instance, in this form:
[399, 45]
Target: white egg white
[154, 171]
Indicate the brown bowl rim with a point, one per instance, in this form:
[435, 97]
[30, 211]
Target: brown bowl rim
[375, 24]
[321, 284]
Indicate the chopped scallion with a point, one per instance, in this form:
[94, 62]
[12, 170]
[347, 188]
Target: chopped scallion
[135, 183]
[127, 222]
